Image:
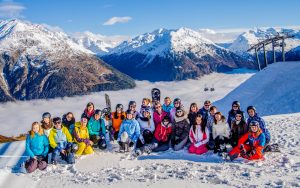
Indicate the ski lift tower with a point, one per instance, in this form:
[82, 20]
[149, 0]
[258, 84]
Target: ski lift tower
[275, 40]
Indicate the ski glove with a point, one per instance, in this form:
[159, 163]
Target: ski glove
[131, 144]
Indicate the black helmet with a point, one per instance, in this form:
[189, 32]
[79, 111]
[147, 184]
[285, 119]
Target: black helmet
[236, 103]
[177, 100]
[251, 108]
[46, 115]
[253, 123]
[119, 106]
[132, 103]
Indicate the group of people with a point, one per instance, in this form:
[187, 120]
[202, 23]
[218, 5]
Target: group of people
[154, 127]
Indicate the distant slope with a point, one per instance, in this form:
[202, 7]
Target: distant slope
[274, 90]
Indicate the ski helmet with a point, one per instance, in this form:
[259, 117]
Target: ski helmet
[98, 112]
[251, 108]
[236, 103]
[177, 100]
[46, 115]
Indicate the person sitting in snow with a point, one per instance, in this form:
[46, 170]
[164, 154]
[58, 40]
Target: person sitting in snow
[220, 132]
[129, 132]
[158, 114]
[97, 130]
[146, 104]
[251, 145]
[204, 111]
[132, 107]
[68, 120]
[236, 107]
[199, 136]
[194, 112]
[238, 128]
[82, 138]
[37, 146]
[177, 104]
[180, 131]
[147, 128]
[253, 116]
[46, 122]
[61, 142]
[168, 105]
[89, 111]
[117, 117]
[161, 140]
[209, 124]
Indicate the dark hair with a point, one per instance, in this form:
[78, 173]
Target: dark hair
[116, 115]
[212, 108]
[193, 104]
[223, 118]
[202, 123]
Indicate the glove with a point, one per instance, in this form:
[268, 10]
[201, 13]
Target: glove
[131, 144]
[243, 150]
[97, 137]
[198, 144]
[142, 139]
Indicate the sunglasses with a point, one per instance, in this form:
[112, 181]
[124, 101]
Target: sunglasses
[207, 105]
[234, 106]
[57, 122]
[157, 107]
[238, 116]
[179, 111]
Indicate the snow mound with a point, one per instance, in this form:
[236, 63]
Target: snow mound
[274, 90]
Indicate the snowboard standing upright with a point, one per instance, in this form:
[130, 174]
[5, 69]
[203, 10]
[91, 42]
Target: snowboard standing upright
[107, 116]
[155, 93]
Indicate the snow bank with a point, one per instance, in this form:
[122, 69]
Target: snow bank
[274, 90]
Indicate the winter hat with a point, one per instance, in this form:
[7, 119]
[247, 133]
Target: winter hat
[254, 123]
[236, 103]
[251, 108]
[46, 115]
[180, 109]
[177, 100]
[119, 106]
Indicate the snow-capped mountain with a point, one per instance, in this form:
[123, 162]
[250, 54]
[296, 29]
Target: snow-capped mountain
[244, 41]
[98, 44]
[37, 62]
[172, 55]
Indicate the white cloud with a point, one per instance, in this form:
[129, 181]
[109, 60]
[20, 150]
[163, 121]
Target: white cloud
[115, 20]
[53, 28]
[10, 9]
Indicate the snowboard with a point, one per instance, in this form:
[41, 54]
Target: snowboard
[272, 148]
[106, 115]
[155, 93]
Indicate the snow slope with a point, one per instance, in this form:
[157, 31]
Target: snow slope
[173, 169]
[189, 90]
[274, 90]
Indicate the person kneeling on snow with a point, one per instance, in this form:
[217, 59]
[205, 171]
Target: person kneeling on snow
[61, 141]
[97, 130]
[82, 137]
[129, 132]
[161, 140]
[199, 136]
[181, 128]
[37, 146]
[251, 145]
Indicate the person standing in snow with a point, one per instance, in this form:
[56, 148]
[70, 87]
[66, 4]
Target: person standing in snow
[68, 120]
[180, 131]
[37, 146]
[147, 128]
[220, 133]
[61, 142]
[82, 138]
[97, 130]
[199, 136]
[194, 112]
[238, 128]
[236, 107]
[89, 111]
[253, 116]
[117, 118]
[177, 104]
[251, 145]
[46, 122]
[129, 132]
[204, 111]
[209, 125]
[158, 114]
[168, 105]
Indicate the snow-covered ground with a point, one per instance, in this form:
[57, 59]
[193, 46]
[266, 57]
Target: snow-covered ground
[17, 117]
[171, 169]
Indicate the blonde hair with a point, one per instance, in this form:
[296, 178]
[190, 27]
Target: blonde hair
[147, 100]
[41, 131]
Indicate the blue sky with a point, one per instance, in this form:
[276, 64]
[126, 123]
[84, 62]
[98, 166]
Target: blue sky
[136, 16]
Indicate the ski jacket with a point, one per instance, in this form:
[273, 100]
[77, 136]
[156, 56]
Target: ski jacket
[38, 145]
[181, 127]
[262, 125]
[231, 115]
[81, 134]
[238, 129]
[145, 124]
[198, 136]
[163, 132]
[132, 128]
[116, 122]
[54, 137]
[157, 118]
[220, 129]
[96, 127]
